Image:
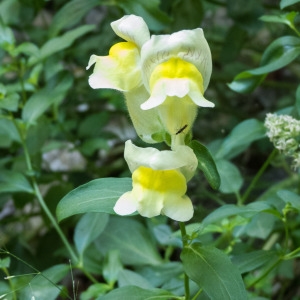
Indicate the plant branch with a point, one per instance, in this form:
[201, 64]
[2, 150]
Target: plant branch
[185, 244]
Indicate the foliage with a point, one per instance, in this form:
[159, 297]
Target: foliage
[62, 166]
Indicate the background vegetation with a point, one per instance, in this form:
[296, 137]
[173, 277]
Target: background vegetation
[56, 133]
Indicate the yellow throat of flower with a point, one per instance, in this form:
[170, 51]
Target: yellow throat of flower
[177, 68]
[161, 181]
[125, 52]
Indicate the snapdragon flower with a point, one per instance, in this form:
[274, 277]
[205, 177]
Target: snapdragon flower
[176, 71]
[163, 78]
[121, 70]
[159, 180]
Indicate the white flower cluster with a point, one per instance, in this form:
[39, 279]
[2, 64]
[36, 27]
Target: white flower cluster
[284, 132]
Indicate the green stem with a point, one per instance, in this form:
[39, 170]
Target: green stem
[274, 265]
[197, 294]
[257, 176]
[10, 283]
[44, 206]
[53, 221]
[185, 244]
[37, 272]
[39, 195]
[292, 254]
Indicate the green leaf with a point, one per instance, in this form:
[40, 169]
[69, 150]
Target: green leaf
[7, 38]
[131, 239]
[246, 82]
[247, 262]
[290, 198]
[4, 262]
[297, 103]
[240, 138]
[162, 273]
[155, 18]
[27, 48]
[287, 19]
[261, 225]
[213, 271]
[229, 210]
[70, 14]
[128, 277]
[231, 178]
[94, 291]
[91, 125]
[9, 11]
[89, 227]
[99, 195]
[12, 182]
[206, 164]
[10, 102]
[137, 293]
[285, 3]
[112, 266]
[279, 54]
[40, 101]
[8, 133]
[41, 286]
[60, 43]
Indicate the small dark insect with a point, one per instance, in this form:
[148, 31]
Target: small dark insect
[181, 129]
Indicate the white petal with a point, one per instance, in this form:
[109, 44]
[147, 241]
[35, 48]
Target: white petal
[178, 208]
[189, 45]
[125, 205]
[154, 101]
[183, 157]
[197, 97]
[151, 204]
[109, 73]
[176, 87]
[92, 60]
[136, 156]
[132, 29]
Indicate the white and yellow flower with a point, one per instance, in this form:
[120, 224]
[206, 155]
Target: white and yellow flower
[176, 71]
[159, 180]
[163, 78]
[121, 70]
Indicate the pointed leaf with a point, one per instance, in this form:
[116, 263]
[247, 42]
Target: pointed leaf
[99, 195]
[112, 266]
[70, 14]
[285, 3]
[241, 137]
[128, 277]
[213, 271]
[131, 239]
[42, 285]
[60, 43]
[206, 164]
[11, 182]
[287, 19]
[231, 178]
[279, 54]
[228, 210]
[247, 262]
[89, 227]
[290, 197]
[137, 293]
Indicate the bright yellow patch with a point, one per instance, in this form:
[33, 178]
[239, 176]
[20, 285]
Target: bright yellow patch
[162, 181]
[122, 49]
[177, 68]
